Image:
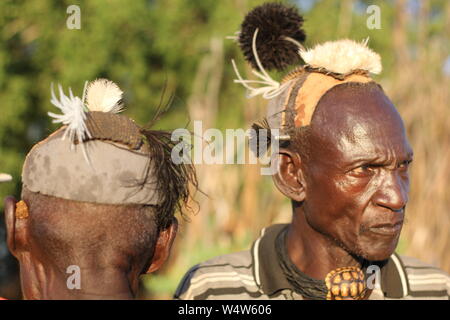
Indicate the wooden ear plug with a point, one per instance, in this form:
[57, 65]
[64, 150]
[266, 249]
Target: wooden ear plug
[21, 210]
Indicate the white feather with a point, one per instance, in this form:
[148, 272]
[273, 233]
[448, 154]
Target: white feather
[73, 115]
[4, 177]
[343, 56]
[104, 95]
[266, 86]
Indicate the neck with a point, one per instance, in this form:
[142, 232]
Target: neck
[49, 283]
[312, 252]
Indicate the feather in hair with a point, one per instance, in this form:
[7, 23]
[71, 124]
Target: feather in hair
[4, 177]
[280, 36]
[260, 137]
[343, 56]
[266, 86]
[73, 116]
[105, 96]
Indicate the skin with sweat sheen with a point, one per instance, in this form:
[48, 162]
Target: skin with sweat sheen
[352, 189]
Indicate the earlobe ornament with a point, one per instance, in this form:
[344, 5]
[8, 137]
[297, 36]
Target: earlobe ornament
[21, 210]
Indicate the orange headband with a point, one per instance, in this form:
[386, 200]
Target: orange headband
[313, 88]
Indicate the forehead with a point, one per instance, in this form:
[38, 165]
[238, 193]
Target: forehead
[357, 123]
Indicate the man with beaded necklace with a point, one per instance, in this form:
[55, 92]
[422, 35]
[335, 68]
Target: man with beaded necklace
[343, 161]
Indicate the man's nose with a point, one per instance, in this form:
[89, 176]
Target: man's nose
[393, 191]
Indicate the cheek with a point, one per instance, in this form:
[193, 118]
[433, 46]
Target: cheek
[335, 204]
[338, 195]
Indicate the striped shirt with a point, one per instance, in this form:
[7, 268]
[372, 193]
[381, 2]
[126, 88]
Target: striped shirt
[256, 274]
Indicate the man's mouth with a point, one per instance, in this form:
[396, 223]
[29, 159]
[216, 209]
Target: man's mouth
[387, 229]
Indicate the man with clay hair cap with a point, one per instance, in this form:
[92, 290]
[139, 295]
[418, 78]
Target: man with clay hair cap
[343, 162]
[98, 201]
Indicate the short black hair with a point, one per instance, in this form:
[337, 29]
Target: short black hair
[173, 181]
[65, 230]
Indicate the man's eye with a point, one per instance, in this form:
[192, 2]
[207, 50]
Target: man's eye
[364, 169]
[404, 165]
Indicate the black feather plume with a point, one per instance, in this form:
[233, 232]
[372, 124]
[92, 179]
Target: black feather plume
[260, 137]
[274, 22]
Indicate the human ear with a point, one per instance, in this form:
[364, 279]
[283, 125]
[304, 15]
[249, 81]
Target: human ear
[163, 246]
[289, 177]
[16, 221]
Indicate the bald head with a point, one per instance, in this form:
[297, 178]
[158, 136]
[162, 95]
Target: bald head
[349, 113]
[351, 178]
[357, 114]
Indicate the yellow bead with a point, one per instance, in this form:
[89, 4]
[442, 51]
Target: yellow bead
[335, 290]
[344, 290]
[346, 276]
[354, 289]
[337, 279]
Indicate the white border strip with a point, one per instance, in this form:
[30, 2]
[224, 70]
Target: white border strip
[256, 255]
[401, 273]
